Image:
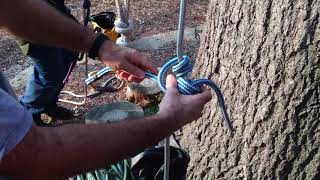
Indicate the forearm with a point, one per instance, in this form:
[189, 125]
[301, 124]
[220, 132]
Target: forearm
[38, 22]
[68, 150]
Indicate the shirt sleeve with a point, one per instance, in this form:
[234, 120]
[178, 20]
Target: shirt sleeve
[15, 122]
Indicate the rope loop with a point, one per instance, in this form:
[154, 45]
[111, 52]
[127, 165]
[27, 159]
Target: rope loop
[182, 70]
[125, 30]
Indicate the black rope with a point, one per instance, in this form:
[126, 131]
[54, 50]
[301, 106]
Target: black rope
[86, 12]
[86, 16]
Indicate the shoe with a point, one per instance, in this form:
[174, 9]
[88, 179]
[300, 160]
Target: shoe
[58, 112]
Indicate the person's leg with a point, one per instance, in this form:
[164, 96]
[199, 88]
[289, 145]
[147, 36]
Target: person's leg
[50, 67]
[69, 58]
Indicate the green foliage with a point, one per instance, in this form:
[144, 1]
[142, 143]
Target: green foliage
[118, 171]
[151, 110]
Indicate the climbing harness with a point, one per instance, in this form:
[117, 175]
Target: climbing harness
[123, 25]
[108, 85]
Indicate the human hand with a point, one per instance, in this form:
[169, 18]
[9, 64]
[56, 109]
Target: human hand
[128, 63]
[180, 108]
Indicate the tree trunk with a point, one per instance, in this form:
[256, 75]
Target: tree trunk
[265, 56]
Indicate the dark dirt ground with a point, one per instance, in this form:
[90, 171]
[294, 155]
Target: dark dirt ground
[149, 16]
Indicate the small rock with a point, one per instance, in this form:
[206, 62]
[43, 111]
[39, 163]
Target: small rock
[143, 93]
[113, 112]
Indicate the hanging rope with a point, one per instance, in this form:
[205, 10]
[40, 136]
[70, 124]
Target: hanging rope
[123, 25]
[188, 72]
[182, 15]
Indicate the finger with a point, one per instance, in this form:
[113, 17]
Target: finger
[205, 95]
[142, 61]
[171, 82]
[124, 75]
[201, 98]
[204, 88]
[133, 69]
[118, 74]
[135, 79]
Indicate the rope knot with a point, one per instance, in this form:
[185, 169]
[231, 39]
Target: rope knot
[122, 27]
[125, 30]
[183, 68]
[186, 86]
[182, 71]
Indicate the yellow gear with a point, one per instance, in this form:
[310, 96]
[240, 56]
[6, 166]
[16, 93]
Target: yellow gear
[103, 22]
[111, 34]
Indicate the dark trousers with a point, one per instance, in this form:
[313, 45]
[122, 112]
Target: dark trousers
[51, 65]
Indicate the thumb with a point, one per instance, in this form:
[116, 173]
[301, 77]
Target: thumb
[171, 82]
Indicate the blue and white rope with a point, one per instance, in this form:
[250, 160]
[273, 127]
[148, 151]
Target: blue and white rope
[187, 86]
[182, 69]
[100, 73]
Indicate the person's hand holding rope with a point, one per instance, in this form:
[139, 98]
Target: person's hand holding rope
[128, 63]
[182, 109]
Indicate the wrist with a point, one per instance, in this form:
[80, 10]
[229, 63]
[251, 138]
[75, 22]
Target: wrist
[89, 40]
[96, 46]
[106, 49]
[170, 119]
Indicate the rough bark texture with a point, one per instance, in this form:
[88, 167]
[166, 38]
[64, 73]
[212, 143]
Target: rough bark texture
[264, 55]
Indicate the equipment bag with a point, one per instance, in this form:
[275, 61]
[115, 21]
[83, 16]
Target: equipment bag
[150, 165]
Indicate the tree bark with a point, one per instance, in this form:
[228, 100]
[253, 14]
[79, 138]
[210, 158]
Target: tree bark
[265, 56]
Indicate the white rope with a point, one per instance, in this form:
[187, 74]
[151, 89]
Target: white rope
[73, 94]
[166, 158]
[123, 25]
[182, 15]
[78, 95]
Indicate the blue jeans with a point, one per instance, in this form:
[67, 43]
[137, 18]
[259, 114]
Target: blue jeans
[51, 65]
